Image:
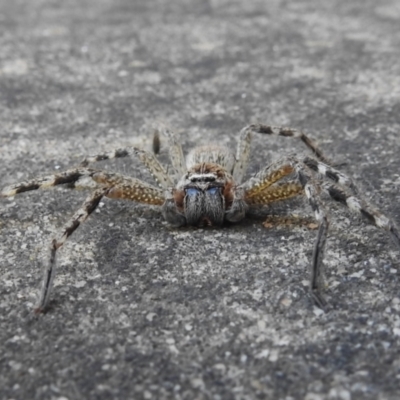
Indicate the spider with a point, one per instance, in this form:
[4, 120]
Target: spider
[209, 189]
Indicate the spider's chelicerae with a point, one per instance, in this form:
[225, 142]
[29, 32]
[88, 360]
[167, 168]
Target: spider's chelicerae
[208, 189]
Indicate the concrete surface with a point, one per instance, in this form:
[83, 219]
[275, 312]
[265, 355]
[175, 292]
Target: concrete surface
[144, 311]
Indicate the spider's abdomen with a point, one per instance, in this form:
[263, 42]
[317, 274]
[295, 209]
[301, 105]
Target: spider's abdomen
[211, 154]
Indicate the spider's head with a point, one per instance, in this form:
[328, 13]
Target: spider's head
[203, 191]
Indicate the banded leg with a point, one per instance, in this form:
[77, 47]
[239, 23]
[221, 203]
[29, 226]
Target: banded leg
[70, 176]
[311, 190]
[361, 207]
[331, 173]
[261, 183]
[316, 273]
[89, 205]
[288, 132]
[117, 187]
[353, 200]
[148, 159]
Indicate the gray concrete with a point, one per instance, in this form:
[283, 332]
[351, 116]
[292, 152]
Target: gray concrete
[144, 311]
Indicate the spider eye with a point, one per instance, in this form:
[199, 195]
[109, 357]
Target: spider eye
[213, 190]
[192, 192]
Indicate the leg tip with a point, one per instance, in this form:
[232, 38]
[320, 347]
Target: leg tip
[319, 300]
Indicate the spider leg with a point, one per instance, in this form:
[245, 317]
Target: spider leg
[241, 203]
[89, 205]
[289, 132]
[70, 176]
[276, 192]
[243, 148]
[175, 150]
[148, 159]
[242, 155]
[316, 275]
[311, 190]
[361, 207]
[252, 191]
[267, 177]
[156, 144]
[125, 187]
[331, 173]
[353, 200]
[249, 192]
[116, 187]
[261, 183]
[123, 152]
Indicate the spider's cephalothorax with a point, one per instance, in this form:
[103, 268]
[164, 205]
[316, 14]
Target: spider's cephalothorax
[202, 196]
[207, 189]
[204, 193]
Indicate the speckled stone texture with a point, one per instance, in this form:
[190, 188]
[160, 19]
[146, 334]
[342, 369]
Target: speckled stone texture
[141, 310]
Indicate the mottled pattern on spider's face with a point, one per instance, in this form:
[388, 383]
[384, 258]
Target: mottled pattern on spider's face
[205, 194]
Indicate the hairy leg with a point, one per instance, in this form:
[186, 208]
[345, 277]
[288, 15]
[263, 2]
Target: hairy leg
[125, 187]
[89, 205]
[242, 155]
[267, 177]
[117, 187]
[148, 159]
[112, 185]
[260, 187]
[175, 150]
[276, 192]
